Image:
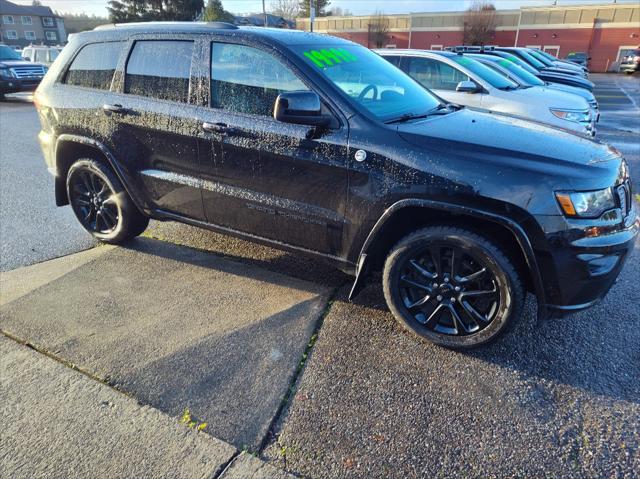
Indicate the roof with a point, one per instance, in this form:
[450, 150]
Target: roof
[8, 8]
[413, 52]
[282, 36]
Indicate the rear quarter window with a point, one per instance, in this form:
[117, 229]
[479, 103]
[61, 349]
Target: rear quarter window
[94, 65]
[160, 69]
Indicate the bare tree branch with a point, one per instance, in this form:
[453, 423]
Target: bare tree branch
[378, 30]
[479, 23]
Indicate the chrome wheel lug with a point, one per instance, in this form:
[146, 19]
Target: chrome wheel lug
[435, 285]
[457, 288]
[453, 300]
[439, 298]
[446, 280]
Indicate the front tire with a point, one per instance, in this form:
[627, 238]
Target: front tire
[101, 204]
[452, 287]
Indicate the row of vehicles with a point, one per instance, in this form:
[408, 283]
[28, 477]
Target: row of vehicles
[23, 70]
[322, 147]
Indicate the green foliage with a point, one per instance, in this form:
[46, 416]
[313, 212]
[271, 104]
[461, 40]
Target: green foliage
[124, 11]
[215, 12]
[188, 421]
[321, 8]
[74, 23]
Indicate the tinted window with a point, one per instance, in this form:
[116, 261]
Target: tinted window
[495, 79]
[435, 74]
[368, 80]
[160, 69]
[94, 66]
[248, 80]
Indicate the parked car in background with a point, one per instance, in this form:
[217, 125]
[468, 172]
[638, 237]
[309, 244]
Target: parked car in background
[526, 79]
[579, 58]
[16, 74]
[458, 78]
[552, 61]
[542, 65]
[317, 145]
[545, 75]
[631, 62]
[41, 54]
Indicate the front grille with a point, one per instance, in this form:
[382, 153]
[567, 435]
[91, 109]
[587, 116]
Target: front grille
[624, 197]
[28, 71]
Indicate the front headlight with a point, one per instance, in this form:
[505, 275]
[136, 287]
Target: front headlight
[586, 204]
[6, 73]
[580, 116]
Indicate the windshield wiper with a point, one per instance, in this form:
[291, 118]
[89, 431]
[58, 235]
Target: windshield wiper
[415, 116]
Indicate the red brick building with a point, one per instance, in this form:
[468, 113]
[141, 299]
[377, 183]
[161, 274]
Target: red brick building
[605, 32]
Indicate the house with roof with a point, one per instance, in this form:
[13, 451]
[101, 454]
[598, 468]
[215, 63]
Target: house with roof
[22, 25]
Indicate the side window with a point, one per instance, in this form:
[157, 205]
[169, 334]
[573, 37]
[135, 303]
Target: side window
[394, 60]
[41, 56]
[160, 69]
[435, 75]
[248, 80]
[94, 66]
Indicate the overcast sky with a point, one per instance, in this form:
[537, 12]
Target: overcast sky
[357, 7]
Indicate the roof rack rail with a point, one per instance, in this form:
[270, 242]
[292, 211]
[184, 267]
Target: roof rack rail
[215, 25]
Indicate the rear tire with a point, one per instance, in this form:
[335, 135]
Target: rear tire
[452, 287]
[101, 204]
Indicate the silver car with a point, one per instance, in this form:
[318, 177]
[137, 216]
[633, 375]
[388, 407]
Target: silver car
[460, 79]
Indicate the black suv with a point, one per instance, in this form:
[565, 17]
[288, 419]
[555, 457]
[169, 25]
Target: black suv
[318, 145]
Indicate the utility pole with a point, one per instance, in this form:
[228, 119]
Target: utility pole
[312, 14]
[264, 12]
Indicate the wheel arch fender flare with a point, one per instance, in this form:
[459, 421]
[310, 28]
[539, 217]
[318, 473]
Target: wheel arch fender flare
[363, 263]
[66, 138]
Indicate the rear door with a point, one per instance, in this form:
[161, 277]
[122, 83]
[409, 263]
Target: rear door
[154, 126]
[284, 182]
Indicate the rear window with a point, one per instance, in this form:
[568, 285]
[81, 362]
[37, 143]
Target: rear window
[94, 66]
[160, 69]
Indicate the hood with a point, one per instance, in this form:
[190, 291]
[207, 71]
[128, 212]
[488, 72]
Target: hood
[551, 97]
[586, 94]
[573, 79]
[475, 139]
[18, 63]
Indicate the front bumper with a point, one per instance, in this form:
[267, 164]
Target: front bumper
[584, 260]
[15, 85]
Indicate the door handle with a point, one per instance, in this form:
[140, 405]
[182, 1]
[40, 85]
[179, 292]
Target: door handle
[119, 109]
[222, 128]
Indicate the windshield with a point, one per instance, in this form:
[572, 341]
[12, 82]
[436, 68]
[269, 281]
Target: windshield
[577, 55]
[536, 54]
[531, 59]
[495, 79]
[53, 54]
[7, 53]
[369, 80]
[520, 73]
[518, 61]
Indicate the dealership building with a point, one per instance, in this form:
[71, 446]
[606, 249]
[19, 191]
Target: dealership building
[605, 32]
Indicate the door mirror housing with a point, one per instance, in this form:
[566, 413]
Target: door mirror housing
[301, 108]
[467, 87]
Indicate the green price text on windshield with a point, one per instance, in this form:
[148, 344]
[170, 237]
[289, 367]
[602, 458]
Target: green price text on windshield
[330, 57]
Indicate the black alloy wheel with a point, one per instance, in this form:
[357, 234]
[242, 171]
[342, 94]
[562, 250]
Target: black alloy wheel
[452, 286]
[101, 204]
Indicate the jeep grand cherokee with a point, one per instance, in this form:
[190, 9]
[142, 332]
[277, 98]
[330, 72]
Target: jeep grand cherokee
[318, 145]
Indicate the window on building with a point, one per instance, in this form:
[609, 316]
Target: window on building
[94, 66]
[52, 36]
[8, 19]
[160, 69]
[47, 21]
[30, 35]
[27, 20]
[12, 35]
[248, 80]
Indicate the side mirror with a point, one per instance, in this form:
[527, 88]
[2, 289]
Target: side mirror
[301, 108]
[467, 87]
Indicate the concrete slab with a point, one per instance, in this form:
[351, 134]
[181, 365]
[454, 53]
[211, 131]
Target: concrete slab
[178, 328]
[246, 466]
[58, 423]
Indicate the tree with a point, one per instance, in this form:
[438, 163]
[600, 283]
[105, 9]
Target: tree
[378, 30]
[36, 3]
[124, 11]
[321, 7]
[339, 12]
[215, 12]
[288, 9]
[479, 23]
[80, 22]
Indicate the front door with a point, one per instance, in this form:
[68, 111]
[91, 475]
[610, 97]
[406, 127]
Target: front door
[283, 182]
[154, 124]
[442, 78]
